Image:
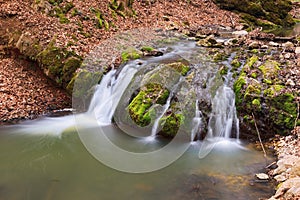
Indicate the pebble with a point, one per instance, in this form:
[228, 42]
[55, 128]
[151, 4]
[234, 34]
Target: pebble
[290, 82]
[240, 33]
[254, 45]
[262, 176]
[274, 44]
[287, 56]
[297, 50]
[288, 45]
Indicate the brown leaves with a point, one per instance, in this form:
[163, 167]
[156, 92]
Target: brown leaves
[25, 92]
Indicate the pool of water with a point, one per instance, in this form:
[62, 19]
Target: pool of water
[49, 167]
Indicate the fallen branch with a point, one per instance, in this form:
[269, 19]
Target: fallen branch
[261, 144]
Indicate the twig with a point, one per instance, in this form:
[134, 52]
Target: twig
[261, 144]
[297, 117]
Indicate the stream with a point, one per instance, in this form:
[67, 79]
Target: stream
[72, 157]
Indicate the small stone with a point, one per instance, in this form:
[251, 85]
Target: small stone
[274, 44]
[288, 45]
[280, 178]
[262, 176]
[264, 46]
[287, 56]
[290, 82]
[297, 50]
[240, 33]
[254, 45]
[239, 27]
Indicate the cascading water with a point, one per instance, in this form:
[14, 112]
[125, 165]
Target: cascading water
[108, 93]
[164, 110]
[197, 123]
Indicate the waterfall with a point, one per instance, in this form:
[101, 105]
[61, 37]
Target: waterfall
[109, 92]
[165, 108]
[223, 116]
[197, 123]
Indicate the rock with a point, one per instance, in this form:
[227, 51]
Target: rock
[290, 82]
[285, 163]
[262, 176]
[254, 45]
[210, 41]
[274, 44]
[288, 45]
[240, 33]
[280, 178]
[264, 46]
[239, 27]
[297, 50]
[231, 42]
[289, 189]
[287, 56]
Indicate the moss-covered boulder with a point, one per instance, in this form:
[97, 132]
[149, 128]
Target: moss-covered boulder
[59, 64]
[150, 94]
[265, 97]
[275, 11]
[158, 93]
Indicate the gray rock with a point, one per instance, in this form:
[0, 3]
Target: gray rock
[262, 176]
[240, 33]
[297, 50]
[274, 44]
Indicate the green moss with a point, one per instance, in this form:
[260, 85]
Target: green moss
[268, 81]
[139, 108]
[250, 62]
[69, 68]
[238, 86]
[235, 64]
[179, 67]
[284, 110]
[253, 90]
[171, 124]
[223, 70]
[68, 6]
[55, 2]
[219, 57]
[254, 75]
[271, 91]
[130, 54]
[255, 51]
[147, 48]
[63, 19]
[270, 69]
[84, 82]
[256, 104]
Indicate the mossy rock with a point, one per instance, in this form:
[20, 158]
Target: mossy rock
[131, 54]
[171, 124]
[82, 87]
[270, 70]
[275, 11]
[139, 108]
[264, 95]
[69, 68]
[179, 67]
[58, 64]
